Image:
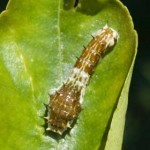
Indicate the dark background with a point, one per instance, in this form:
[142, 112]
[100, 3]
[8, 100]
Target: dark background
[137, 128]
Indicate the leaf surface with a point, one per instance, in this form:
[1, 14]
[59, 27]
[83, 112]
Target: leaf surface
[38, 48]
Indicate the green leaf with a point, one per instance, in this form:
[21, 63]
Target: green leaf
[115, 135]
[38, 48]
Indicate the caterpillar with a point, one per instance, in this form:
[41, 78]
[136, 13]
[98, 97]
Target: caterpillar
[65, 104]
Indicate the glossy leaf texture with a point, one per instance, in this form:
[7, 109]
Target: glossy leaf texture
[39, 43]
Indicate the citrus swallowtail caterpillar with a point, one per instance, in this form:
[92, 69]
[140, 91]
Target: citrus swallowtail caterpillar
[65, 104]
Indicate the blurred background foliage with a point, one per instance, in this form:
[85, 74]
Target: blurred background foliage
[137, 129]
